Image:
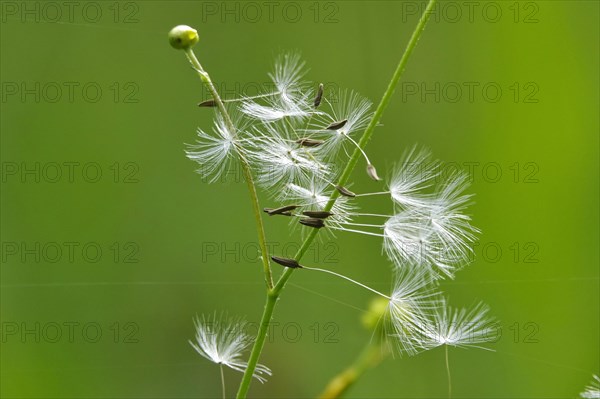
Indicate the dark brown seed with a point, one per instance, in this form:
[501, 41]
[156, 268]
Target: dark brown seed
[317, 214]
[319, 96]
[284, 210]
[312, 222]
[291, 263]
[208, 103]
[337, 125]
[283, 213]
[345, 192]
[306, 142]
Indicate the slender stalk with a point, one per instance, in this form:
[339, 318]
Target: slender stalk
[370, 357]
[233, 100]
[348, 279]
[272, 297]
[222, 380]
[262, 241]
[448, 372]
[274, 293]
[261, 335]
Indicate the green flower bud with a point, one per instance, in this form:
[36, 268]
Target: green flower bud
[377, 309]
[183, 37]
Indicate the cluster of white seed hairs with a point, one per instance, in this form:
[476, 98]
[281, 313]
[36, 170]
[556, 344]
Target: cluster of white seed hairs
[592, 391]
[295, 137]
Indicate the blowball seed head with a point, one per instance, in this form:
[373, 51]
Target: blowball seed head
[183, 37]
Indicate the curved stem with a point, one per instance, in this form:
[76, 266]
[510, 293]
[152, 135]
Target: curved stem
[364, 154]
[370, 357]
[233, 100]
[259, 343]
[262, 241]
[367, 233]
[348, 279]
[448, 372]
[222, 380]
[369, 194]
[273, 293]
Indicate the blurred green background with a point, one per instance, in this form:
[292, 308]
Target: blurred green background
[96, 108]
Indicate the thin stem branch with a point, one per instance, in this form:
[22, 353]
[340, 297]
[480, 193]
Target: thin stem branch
[371, 214]
[369, 194]
[448, 372]
[234, 100]
[262, 241]
[348, 279]
[223, 381]
[364, 154]
[367, 233]
[370, 357]
[379, 226]
[259, 343]
[366, 137]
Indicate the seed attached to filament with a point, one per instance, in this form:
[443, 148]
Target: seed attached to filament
[312, 222]
[208, 103]
[345, 192]
[319, 96]
[372, 172]
[317, 214]
[291, 263]
[337, 125]
[284, 210]
[306, 142]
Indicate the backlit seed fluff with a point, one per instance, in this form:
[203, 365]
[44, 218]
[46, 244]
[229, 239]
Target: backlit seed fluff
[223, 340]
[183, 37]
[462, 327]
[413, 300]
[592, 391]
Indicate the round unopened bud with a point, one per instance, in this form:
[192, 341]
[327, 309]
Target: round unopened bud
[183, 37]
[377, 309]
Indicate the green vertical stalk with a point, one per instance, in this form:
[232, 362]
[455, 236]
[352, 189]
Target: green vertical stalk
[370, 357]
[262, 241]
[274, 293]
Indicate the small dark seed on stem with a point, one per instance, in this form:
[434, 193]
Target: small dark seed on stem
[306, 142]
[345, 192]
[291, 263]
[317, 214]
[312, 222]
[282, 213]
[319, 96]
[208, 103]
[337, 125]
[284, 210]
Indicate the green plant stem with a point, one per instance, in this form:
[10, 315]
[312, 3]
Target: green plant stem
[262, 241]
[448, 372]
[370, 357]
[222, 381]
[273, 294]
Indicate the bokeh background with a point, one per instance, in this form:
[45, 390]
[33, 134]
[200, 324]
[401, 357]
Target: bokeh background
[111, 243]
